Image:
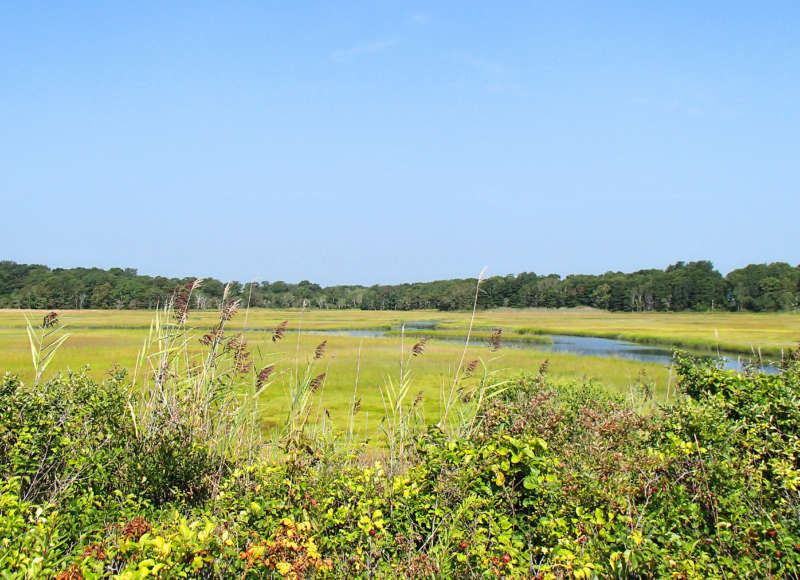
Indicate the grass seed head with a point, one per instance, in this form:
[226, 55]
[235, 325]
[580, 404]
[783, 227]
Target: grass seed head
[237, 345]
[229, 310]
[319, 352]
[419, 348]
[263, 376]
[496, 340]
[544, 367]
[208, 338]
[50, 320]
[280, 330]
[316, 382]
[180, 300]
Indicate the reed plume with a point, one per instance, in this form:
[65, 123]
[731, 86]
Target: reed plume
[242, 361]
[419, 348]
[544, 367]
[50, 320]
[280, 330]
[495, 339]
[316, 382]
[230, 309]
[208, 338]
[180, 300]
[263, 376]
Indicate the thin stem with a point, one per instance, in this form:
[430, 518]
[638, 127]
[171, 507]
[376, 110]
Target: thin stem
[463, 352]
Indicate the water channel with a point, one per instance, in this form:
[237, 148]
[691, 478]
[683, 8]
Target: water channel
[580, 346]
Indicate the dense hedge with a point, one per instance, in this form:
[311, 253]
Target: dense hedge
[557, 481]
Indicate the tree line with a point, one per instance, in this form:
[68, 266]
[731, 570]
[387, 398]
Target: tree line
[681, 286]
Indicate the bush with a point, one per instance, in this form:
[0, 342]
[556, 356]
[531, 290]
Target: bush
[556, 481]
[72, 435]
[69, 433]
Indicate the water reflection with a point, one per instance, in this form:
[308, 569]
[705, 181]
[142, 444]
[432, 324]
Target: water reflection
[615, 348]
[578, 345]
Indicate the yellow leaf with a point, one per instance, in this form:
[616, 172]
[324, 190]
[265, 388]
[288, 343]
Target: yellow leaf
[283, 568]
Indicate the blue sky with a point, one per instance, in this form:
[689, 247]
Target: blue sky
[388, 142]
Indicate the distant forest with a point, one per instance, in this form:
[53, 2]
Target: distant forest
[681, 286]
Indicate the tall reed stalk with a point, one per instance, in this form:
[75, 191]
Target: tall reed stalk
[44, 339]
[211, 389]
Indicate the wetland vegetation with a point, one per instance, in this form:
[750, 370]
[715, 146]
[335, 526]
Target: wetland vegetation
[164, 467]
[105, 338]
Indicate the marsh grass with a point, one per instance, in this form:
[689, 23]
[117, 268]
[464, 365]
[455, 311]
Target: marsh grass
[353, 363]
[211, 391]
[106, 338]
[735, 331]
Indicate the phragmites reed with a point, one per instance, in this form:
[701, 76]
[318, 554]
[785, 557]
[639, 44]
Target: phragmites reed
[180, 300]
[280, 330]
[208, 338]
[495, 339]
[50, 320]
[419, 348]
[470, 368]
[242, 362]
[229, 309]
[449, 398]
[319, 352]
[316, 382]
[263, 376]
[544, 367]
[233, 343]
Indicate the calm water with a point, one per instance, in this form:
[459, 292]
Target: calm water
[577, 345]
[614, 348]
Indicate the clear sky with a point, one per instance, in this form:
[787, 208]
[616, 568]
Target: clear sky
[388, 142]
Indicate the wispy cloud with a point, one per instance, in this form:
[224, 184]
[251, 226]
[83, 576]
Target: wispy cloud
[513, 89]
[497, 77]
[419, 18]
[346, 54]
[490, 67]
[693, 107]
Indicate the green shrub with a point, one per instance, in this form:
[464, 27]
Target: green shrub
[555, 481]
[65, 436]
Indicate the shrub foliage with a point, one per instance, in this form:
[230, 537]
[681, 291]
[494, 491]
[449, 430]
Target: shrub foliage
[553, 481]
